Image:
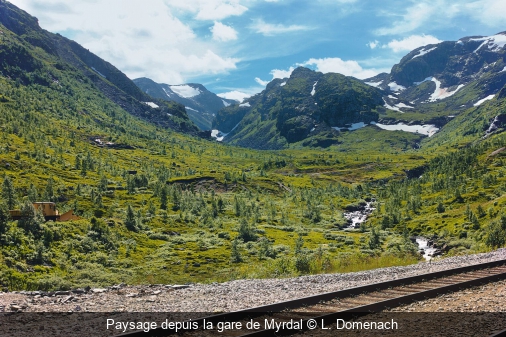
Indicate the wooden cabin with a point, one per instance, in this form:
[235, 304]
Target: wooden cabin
[49, 211]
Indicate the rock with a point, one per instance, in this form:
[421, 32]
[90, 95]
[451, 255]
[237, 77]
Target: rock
[16, 307]
[98, 290]
[78, 291]
[177, 286]
[67, 299]
[156, 292]
[62, 293]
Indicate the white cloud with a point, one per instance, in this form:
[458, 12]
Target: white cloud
[412, 42]
[413, 18]
[236, 95]
[268, 29]
[488, 12]
[278, 73]
[332, 65]
[140, 40]
[223, 32]
[209, 9]
[441, 13]
[373, 44]
[261, 82]
[337, 65]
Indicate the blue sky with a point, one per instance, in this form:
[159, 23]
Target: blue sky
[234, 47]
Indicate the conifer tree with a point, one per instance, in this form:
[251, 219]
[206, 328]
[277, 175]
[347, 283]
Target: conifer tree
[235, 254]
[9, 192]
[163, 198]
[4, 218]
[130, 220]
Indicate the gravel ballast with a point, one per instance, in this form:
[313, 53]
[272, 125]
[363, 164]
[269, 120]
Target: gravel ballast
[221, 297]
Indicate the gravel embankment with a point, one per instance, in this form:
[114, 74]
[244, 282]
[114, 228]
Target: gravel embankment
[220, 297]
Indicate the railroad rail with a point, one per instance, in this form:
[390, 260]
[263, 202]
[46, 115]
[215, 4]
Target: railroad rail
[350, 303]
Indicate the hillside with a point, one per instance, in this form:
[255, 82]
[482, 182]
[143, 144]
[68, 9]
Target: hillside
[31, 55]
[201, 104]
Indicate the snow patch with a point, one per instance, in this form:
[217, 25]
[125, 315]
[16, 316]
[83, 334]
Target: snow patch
[168, 93]
[225, 103]
[185, 90]
[504, 69]
[353, 127]
[481, 101]
[459, 42]
[395, 87]
[423, 52]
[151, 104]
[392, 97]
[439, 93]
[428, 130]
[247, 105]
[218, 135]
[188, 108]
[282, 84]
[494, 43]
[388, 106]
[442, 93]
[314, 88]
[374, 84]
[402, 105]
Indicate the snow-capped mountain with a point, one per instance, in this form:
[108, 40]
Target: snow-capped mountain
[430, 87]
[201, 104]
[460, 74]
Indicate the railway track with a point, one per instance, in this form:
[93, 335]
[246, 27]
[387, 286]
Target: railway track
[314, 312]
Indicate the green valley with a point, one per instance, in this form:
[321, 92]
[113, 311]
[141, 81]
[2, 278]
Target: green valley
[161, 202]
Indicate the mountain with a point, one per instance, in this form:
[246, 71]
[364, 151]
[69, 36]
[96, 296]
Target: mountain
[309, 107]
[201, 104]
[457, 85]
[426, 91]
[33, 55]
[446, 78]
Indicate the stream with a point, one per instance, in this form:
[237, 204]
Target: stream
[428, 251]
[358, 217]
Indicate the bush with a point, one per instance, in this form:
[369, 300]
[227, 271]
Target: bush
[224, 235]
[303, 263]
[52, 283]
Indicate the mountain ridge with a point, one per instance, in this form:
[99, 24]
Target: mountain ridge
[201, 104]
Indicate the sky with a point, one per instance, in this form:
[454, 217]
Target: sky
[235, 47]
